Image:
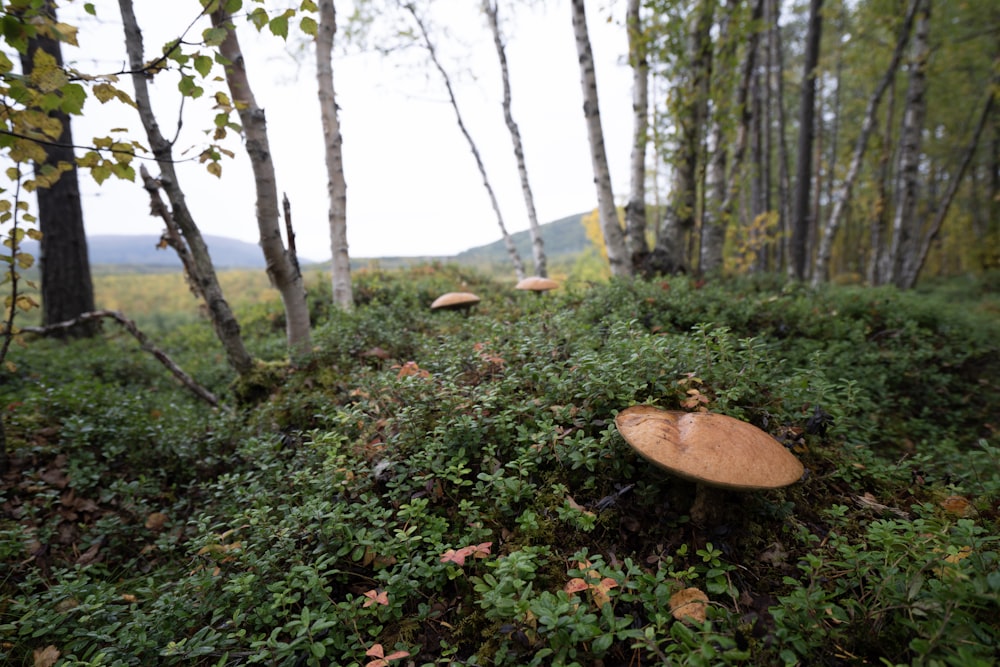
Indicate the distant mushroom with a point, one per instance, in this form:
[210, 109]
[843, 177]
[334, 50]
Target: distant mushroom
[714, 451]
[455, 301]
[537, 284]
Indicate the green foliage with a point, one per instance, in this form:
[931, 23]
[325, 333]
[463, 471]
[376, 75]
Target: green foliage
[453, 489]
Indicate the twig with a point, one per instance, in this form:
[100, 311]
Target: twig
[290, 232]
[144, 342]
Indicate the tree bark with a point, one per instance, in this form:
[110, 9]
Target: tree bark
[515, 258]
[635, 209]
[614, 238]
[908, 172]
[66, 286]
[843, 194]
[801, 221]
[670, 252]
[778, 84]
[281, 267]
[226, 327]
[725, 189]
[534, 230]
[83, 319]
[913, 264]
[343, 294]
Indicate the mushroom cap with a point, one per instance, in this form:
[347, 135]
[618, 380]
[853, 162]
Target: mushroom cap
[455, 300]
[537, 284]
[709, 448]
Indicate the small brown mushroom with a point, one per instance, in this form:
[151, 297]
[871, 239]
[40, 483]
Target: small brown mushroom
[714, 451]
[455, 301]
[537, 284]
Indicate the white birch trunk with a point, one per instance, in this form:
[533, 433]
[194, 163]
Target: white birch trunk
[281, 267]
[537, 243]
[635, 209]
[515, 258]
[843, 194]
[913, 263]
[202, 272]
[343, 295]
[914, 113]
[614, 237]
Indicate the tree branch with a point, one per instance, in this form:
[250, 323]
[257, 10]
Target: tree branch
[144, 342]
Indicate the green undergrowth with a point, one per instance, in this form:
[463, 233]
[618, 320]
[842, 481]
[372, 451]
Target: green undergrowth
[449, 489]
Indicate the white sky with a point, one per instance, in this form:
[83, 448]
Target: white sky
[413, 187]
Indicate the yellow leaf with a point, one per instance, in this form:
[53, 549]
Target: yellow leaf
[962, 554]
[104, 92]
[46, 75]
[67, 33]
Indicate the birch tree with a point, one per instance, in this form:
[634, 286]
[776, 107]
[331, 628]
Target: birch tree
[723, 187]
[635, 209]
[282, 268]
[428, 45]
[226, 326]
[907, 173]
[691, 103]
[843, 194]
[537, 243]
[343, 294]
[912, 264]
[614, 238]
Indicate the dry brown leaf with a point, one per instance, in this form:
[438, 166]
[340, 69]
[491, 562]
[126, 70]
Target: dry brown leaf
[957, 505]
[689, 604]
[46, 657]
[155, 521]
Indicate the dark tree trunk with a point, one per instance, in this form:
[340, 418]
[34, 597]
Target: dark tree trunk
[801, 220]
[67, 290]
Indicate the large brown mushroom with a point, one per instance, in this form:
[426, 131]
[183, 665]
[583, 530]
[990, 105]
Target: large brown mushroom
[537, 284]
[455, 301]
[714, 451]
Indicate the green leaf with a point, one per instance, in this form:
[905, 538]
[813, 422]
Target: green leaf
[89, 8]
[214, 36]
[189, 88]
[279, 26]
[258, 17]
[203, 64]
[74, 95]
[309, 25]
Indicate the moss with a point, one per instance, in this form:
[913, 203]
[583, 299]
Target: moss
[259, 383]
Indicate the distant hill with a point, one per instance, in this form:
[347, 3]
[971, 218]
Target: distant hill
[564, 237]
[140, 251]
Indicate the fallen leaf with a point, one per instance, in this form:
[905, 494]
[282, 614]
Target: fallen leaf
[155, 521]
[957, 505]
[46, 657]
[689, 604]
[376, 597]
[962, 554]
[775, 554]
[90, 555]
[382, 660]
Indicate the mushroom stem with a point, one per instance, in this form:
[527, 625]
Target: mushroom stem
[707, 501]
